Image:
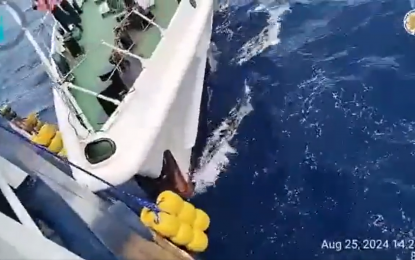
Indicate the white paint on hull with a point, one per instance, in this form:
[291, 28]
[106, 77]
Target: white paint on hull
[161, 114]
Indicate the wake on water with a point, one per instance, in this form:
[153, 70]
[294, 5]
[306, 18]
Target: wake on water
[215, 155]
[215, 158]
[214, 162]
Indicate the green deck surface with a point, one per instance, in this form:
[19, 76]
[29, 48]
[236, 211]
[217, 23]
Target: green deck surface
[163, 11]
[97, 29]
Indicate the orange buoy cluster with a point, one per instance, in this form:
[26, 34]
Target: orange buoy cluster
[179, 221]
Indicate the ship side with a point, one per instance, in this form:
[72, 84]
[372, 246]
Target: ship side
[115, 130]
[159, 116]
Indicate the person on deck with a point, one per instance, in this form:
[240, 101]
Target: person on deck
[71, 9]
[75, 5]
[64, 13]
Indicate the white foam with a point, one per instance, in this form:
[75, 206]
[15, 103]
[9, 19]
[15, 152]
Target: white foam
[213, 53]
[225, 4]
[268, 36]
[214, 158]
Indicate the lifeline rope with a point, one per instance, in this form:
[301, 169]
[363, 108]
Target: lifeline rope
[144, 203]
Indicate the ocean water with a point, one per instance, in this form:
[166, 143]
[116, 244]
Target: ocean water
[321, 146]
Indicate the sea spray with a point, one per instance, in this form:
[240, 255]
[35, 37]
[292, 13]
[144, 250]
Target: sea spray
[214, 158]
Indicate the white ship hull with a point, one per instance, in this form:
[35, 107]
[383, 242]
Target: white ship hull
[162, 112]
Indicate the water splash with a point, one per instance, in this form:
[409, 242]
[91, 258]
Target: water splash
[214, 158]
[268, 36]
[213, 53]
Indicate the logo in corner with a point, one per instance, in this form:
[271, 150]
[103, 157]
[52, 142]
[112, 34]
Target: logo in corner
[17, 13]
[409, 22]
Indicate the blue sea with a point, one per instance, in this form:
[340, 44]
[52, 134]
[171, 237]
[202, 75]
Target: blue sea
[322, 94]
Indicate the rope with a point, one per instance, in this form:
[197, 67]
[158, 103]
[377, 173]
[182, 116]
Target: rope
[72, 110]
[142, 202]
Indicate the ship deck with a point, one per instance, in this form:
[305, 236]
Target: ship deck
[88, 67]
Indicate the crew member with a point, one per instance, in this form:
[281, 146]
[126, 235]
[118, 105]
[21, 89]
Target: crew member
[76, 6]
[64, 13]
[71, 9]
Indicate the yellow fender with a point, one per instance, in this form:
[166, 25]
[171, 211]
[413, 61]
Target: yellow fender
[199, 243]
[31, 121]
[56, 145]
[147, 217]
[170, 202]
[45, 135]
[188, 213]
[62, 153]
[39, 125]
[178, 221]
[202, 220]
[184, 236]
[167, 225]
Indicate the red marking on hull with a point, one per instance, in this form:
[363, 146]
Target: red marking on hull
[173, 179]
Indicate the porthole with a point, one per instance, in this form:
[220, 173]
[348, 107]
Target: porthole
[99, 150]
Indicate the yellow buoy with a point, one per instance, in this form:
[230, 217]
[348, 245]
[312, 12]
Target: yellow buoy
[45, 135]
[62, 153]
[31, 120]
[147, 217]
[170, 202]
[202, 220]
[167, 225]
[188, 213]
[184, 236]
[199, 242]
[56, 145]
[39, 125]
